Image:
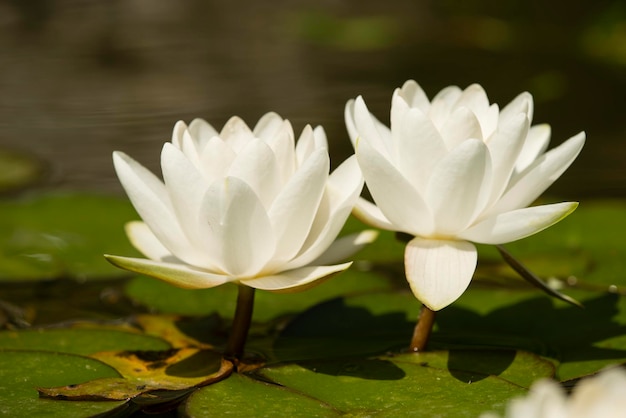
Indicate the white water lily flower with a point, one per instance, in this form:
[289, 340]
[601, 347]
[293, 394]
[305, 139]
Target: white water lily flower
[241, 205]
[600, 396]
[452, 171]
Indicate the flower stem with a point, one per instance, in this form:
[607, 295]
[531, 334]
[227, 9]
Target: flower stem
[241, 322]
[423, 328]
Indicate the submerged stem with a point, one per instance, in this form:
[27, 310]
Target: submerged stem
[423, 328]
[241, 322]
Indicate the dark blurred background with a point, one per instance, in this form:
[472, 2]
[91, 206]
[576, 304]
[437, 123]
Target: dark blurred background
[81, 78]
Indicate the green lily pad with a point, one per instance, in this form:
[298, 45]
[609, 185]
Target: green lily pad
[582, 340]
[22, 372]
[337, 328]
[17, 170]
[241, 396]
[62, 236]
[151, 355]
[79, 341]
[579, 341]
[353, 388]
[327, 349]
[174, 371]
[408, 384]
[518, 367]
[384, 250]
[583, 248]
[222, 299]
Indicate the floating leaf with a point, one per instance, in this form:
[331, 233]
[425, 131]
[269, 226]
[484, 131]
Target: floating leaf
[407, 384]
[337, 329]
[241, 396]
[222, 299]
[482, 318]
[583, 249]
[180, 332]
[162, 358]
[21, 372]
[79, 341]
[148, 371]
[519, 367]
[62, 236]
[581, 340]
[327, 348]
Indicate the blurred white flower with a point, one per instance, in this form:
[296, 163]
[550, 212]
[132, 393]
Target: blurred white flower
[600, 396]
[452, 171]
[241, 205]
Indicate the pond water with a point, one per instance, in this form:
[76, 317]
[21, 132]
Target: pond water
[81, 79]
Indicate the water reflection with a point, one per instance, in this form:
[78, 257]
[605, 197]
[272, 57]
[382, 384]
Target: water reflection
[80, 79]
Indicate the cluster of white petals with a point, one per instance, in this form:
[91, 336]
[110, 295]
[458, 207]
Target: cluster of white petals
[600, 396]
[241, 205]
[453, 171]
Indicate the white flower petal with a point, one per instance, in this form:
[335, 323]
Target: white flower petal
[215, 159]
[243, 234]
[177, 134]
[295, 207]
[441, 105]
[523, 103]
[461, 126]
[189, 147]
[383, 130]
[457, 186]
[297, 279]
[186, 188]
[370, 129]
[236, 133]
[600, 396]
[344, 247]
[144, 240]
[342, 191]
[448, 95]
[151, 200]
[517, 224]
[319, 136]
[373, 125]
[371, 214]
[539, 175]
[201, 131]
[347, 179]
[267, 126]
[536, 143]
[504, 148]
[256, 165]
[348, 115]
[282, 144]
[439, 271]
[177, 274]
[475, 99]
[489, 121]
[327, 224]
[414, 96]
[546, 399]
[419, 148]
[395, 196]
[399, 107]
[307, 143]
